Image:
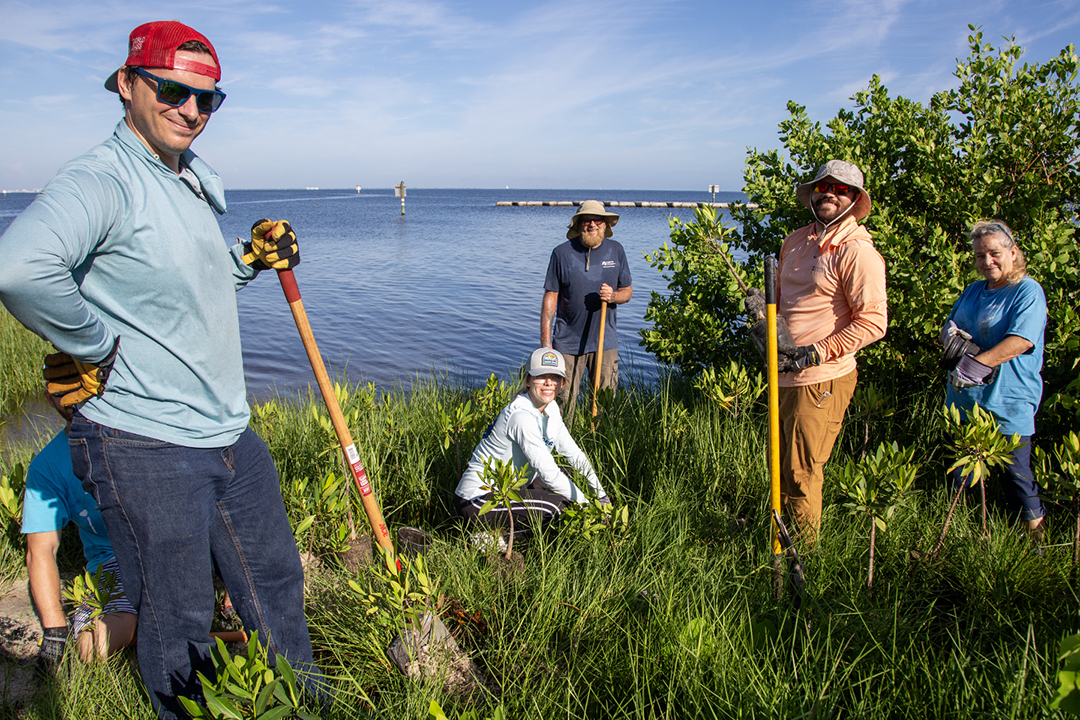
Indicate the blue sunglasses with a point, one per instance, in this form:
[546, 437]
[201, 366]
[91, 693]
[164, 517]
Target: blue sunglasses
[176, 93]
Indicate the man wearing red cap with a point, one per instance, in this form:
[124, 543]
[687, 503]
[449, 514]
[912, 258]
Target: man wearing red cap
[120, 263]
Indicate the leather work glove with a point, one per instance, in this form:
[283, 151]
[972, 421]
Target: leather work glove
[273, 245]
[785, 345]
[803, 357]
[957, 344]
[74, 381]
[755, 303]
[52, 645]
[969, 372]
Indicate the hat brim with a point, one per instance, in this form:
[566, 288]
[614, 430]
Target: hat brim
[805, 193]
[112, 84]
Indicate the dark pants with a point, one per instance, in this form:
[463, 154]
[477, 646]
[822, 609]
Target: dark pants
[536, 510]
[172, 512]
[1021, 491]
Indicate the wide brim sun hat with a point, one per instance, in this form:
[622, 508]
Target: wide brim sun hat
[545, 361]
[591, 207]
[841, 172]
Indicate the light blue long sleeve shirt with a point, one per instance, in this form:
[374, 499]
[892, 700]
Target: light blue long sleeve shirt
[117, 244]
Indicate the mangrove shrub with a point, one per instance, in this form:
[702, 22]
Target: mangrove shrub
[1003, 144]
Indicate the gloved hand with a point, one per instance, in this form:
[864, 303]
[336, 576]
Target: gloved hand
[969, 372]
[605, 500]
[803, 357]
[785, 345]
[53, 642]
[74, 381]
[273, 245]
[755, 303]
[957, 344]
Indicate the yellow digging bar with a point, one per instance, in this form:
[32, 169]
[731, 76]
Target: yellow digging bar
[774, 397]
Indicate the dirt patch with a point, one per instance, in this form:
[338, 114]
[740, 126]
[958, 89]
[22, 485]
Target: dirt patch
[357, 556]
[20, 632]
[506, 568]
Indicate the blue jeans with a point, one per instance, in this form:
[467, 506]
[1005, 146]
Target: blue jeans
[1021, 490]
[172, 512]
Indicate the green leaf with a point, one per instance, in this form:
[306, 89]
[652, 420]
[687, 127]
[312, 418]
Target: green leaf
[264, 697]
[277, 713]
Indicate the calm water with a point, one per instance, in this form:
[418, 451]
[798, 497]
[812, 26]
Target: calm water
[452, 288]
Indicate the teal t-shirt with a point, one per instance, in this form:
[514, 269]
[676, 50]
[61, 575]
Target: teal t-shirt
[990, 315]
[55, 497]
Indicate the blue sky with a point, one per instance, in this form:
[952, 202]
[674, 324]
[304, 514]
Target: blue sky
[460, 93]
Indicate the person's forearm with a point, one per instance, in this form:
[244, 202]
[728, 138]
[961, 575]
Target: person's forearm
[1011, 347]
[45, 588]
[622, 295]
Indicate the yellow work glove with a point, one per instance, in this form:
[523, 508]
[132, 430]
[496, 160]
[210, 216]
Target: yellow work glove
[273, 245]
[74, 381]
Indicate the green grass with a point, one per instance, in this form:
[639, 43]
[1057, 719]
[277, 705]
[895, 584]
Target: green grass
[676, 617]
[22, 354]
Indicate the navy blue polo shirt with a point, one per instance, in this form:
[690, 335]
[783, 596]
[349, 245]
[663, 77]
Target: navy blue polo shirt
[576, 273]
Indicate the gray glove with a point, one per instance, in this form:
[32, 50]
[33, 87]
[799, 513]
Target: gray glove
[53, 642]
[957, 344]
[969, 372]
[755, 303]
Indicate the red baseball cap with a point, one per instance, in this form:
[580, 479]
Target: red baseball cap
[154, 44]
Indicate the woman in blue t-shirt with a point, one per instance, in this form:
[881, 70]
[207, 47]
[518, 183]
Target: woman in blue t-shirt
[993, 342]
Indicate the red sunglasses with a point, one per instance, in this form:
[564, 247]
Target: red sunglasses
[834, 188]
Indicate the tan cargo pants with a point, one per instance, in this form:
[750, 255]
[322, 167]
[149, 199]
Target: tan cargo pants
[810, 420]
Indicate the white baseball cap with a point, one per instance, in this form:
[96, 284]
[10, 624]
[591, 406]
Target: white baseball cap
[545, 361]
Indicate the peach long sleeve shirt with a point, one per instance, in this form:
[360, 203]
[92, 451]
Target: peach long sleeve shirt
[831, 289]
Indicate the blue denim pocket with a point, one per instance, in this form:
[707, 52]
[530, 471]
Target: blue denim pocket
[112, 435]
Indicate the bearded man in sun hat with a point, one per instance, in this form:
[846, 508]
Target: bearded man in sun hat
[585, 272]
[120, 263]
[831, 290]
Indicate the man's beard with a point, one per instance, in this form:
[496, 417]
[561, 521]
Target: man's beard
[593, 240]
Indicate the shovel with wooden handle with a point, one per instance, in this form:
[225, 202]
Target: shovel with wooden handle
[599, 359]
[352, 457]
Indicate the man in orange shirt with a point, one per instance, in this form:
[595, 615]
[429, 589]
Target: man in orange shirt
[831, 290]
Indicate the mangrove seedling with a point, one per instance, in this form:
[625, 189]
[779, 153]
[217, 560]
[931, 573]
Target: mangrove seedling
[1063, 485]
[246, 686]
[978, 446]
[398, 596]
[504, 482]
[875, 486]
[94, 590]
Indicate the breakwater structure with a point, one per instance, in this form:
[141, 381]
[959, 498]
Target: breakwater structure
[616, 203]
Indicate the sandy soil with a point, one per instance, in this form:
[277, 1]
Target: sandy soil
[20, 632]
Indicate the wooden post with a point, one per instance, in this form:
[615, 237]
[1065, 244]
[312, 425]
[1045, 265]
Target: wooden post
[399, 191]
